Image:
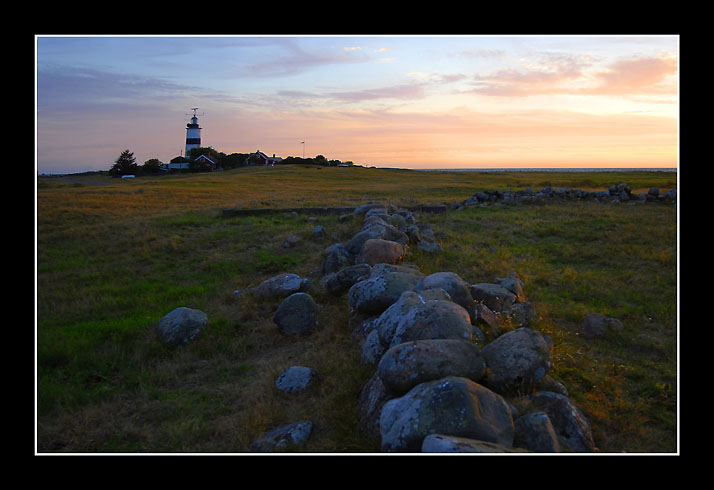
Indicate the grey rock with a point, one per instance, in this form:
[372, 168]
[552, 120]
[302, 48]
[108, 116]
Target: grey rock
[372, 398]
[495, 296]
[336, 258]
[375, 230]
[434, 320]
[374, 219]
[372, 348]
[380, 211]
[406, 365]
[296, 315]
[516, 360]
[378, 251]
[596, 325]
[413, 233]
[398, 221]
[384, 286]
[389, 319]
[440, 443]
[570, 424]
[285, 437]
[452, 406]
[547, 383]
[291, 241]
[453, 284]
[362, 209]
[281, 286]
[429, 246]
[487, 320]
[535, 432]
[522, 315]
[362, 330]
[514, 284]
[296, 379]
[181, 326]
[341, 281]
[318, 231]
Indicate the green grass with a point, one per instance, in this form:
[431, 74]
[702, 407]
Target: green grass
[113, 259]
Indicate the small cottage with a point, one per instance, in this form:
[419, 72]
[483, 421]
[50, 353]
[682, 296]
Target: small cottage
[260, 158]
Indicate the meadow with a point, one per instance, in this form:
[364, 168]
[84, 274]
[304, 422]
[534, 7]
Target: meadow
[114, 256]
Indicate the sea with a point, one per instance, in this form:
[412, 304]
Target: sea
[558, 169]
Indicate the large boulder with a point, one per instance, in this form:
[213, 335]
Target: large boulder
[286, 437]
[495, 296]
[336, 258]
[439, 443]
[535, 432]
[372, 397]
[281, 286]
[388, 321]
[522, 315]
[338, 283]
[570, 424]
[296, 315]
[516, 360]
[362, 209]
[406, 365]
[451, 406]
[296, 379]
[375, 230]
[514, 284]
[383, 287]
[453, 284]
[379, 251]
[181, 326]
[434, 320]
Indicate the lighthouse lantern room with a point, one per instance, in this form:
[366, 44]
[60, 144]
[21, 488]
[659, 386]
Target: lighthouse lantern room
[193, 133]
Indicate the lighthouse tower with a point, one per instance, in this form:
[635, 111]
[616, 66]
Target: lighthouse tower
[193, 133]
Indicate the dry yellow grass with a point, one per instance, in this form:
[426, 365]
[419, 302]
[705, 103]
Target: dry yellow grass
[113, 258]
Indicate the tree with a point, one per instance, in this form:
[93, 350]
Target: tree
[151, 166]
[124, 165]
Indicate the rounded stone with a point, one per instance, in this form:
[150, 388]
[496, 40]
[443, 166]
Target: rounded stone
[296, 315]
[181, 326]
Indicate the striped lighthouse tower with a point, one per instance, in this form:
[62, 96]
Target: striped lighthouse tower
[193, 133]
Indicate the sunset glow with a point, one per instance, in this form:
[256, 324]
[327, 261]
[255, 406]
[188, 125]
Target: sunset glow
[391, 101]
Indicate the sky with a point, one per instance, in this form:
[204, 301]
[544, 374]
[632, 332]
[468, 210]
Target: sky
[402, 101]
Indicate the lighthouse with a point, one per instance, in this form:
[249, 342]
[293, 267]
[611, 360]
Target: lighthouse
[193, 133]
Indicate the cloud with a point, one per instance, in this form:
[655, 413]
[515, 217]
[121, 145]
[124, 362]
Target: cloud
[406, 91]
[639, 75]
[403, 91]
[543, 73]
[63, 89]
[564, 74]
[298, 60]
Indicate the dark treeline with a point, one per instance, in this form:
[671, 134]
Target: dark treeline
[126, 163]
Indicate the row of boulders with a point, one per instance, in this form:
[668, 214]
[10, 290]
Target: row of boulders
[459, 367]
[615, 194]
[452, 360]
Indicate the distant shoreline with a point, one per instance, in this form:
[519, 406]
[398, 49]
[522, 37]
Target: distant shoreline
[553, 169]
[474, 169]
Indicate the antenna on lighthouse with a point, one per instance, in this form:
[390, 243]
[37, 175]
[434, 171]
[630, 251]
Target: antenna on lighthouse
[194, 109]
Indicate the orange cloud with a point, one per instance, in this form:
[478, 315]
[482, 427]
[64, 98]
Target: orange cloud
[568, 75]
[636, 76]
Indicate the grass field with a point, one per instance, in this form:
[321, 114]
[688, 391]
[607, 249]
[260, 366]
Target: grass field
[112, 259]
